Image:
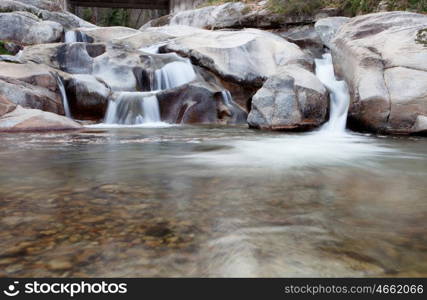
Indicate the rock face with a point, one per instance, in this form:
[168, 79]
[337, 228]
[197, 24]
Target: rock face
[26, 29]
[292, 99]
[87, 97]
[21, 119]
[385, 67]
[31, 86]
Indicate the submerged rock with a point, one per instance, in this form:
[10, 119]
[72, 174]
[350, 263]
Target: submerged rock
[292, 99]
[22, 119]
[27, 29]
[385, 67]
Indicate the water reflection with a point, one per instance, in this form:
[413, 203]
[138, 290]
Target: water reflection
[211, 202]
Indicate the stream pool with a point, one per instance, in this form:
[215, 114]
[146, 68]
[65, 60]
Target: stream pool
[211, 202]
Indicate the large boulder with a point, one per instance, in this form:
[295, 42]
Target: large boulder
[31, 86]
[22, 119]
[291, 99]
[26, 29]
[199, 103]
[246, 57]
[87, 97]
[43, 4]
[384, 62]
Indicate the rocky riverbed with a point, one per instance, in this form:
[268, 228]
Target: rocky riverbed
[149, 202]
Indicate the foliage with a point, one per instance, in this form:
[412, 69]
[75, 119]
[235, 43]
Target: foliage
[295, 7]
[3, 50]
[116, 17]
[87, 14]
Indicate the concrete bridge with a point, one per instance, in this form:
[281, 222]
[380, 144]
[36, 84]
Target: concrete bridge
[170, 5]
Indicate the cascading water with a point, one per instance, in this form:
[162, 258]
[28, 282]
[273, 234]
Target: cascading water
[64, 97]
[340, 98]
[133, 108]
[72, 36]
[174, 74]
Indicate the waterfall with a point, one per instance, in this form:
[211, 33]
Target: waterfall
[133, 108]
[340, 98]
[63, 97]
[227, 98]
[174, 74]
[72, 36]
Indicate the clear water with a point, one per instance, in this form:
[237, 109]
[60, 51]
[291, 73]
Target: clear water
[211, 201]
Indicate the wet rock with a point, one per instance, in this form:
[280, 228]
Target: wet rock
[22, 119]
[385, 67]
[197, 103]
[293, 99]
[26, 29]
[87, 97]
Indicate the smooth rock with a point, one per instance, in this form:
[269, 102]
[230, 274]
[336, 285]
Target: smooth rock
[26, 29]
[385, 67]
[22, 119]
[246, 57]
[292, 99]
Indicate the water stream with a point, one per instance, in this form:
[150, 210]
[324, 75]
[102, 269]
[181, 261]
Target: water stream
[64, 97]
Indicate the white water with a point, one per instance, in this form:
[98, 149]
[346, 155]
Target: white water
[331, 145]
[339, 95]
[64, 97]
[174, 74]
[133, 109]
[70, 37]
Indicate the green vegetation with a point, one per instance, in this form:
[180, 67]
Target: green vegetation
[116, 17]
[295, 7]
[348, 7]
[3, 50]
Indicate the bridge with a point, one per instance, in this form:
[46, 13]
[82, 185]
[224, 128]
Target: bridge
[170, 5]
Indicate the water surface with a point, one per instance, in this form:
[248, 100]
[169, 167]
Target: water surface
[211, 201]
